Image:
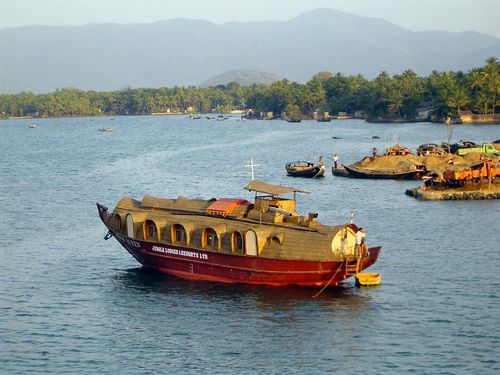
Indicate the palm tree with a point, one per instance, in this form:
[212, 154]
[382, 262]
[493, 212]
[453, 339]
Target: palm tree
[475, 80]
[447, 93]
[395, 102]
[458, 98]
[314, 93]
[492, 81]
[482, 101]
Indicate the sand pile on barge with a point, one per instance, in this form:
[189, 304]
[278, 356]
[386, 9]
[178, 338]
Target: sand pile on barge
[437, 164]
[390, 162]
[433, 163]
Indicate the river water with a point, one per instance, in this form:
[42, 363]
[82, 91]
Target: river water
[71, 302]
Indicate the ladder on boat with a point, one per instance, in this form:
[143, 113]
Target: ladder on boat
[353, 264]
[352, 267]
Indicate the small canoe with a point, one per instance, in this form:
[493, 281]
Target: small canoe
[305, 169]
[368, 279]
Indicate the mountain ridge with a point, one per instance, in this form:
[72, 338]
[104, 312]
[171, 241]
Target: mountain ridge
[183, 52]
[243, 77]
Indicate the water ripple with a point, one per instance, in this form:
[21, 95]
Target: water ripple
[71, 302]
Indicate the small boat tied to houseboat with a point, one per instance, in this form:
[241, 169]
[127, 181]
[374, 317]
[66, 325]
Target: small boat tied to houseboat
[236, 241]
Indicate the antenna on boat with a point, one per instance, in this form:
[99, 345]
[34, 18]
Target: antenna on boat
[251, 166]
[351, 218]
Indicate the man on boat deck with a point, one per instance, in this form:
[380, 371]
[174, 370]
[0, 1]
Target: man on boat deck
[321, 161]
[335, 161]
[360, 241]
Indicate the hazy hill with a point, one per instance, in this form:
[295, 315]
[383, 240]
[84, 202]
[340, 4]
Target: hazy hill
[243, 77]
[188, 52]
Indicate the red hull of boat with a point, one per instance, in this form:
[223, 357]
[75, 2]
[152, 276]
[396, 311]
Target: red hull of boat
[196, 264]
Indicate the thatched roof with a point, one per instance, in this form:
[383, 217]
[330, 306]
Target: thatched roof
[262, 187]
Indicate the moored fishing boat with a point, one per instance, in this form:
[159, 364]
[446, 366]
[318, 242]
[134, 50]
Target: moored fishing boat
[234, 240]
[305, 169]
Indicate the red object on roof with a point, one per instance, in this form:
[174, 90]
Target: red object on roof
[225, 206]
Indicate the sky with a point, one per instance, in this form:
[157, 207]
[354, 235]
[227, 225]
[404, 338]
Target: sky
[417, 15]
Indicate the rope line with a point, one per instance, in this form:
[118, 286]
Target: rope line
[328, 283]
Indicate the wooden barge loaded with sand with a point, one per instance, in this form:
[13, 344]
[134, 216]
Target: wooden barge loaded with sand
[237, 241]
[397, 163]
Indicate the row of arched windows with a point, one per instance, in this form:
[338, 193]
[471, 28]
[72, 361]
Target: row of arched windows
[209, 238]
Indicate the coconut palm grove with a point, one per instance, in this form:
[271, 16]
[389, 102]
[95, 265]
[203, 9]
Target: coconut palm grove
[391, 97]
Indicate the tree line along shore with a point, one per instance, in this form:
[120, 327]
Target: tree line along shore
[401, 97]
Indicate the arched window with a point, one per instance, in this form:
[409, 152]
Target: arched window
[275, 243]
[118, 223]
[130, 226]
[251, 243]
[210, 240]
[237, 243]
[178, 234]
[150, 231]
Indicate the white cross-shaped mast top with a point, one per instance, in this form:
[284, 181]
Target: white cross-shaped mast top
[251, 166]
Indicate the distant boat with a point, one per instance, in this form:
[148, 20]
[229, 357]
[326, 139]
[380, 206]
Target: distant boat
[430, 149]
[194, 117]
[305, 169]
[104, 129]
[32, 126]
[293, 119]
[343, 116]
[397, 149]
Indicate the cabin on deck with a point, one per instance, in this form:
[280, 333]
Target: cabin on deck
[270, 227]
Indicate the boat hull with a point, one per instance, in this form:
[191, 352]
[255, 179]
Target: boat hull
[197, 264]
[408, 175]
[316, 171]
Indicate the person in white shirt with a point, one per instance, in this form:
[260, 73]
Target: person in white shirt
[360, 241]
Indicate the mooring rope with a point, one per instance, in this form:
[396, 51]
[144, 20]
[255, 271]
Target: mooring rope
[328, 283]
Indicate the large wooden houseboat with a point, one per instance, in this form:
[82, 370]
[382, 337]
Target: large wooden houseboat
[234, 240]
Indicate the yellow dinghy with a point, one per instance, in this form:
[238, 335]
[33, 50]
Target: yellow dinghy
[368, 279]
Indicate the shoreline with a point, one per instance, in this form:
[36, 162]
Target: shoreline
[479, 193]
[369, 121]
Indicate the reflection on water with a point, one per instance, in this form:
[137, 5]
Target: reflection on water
[71, 302]
[343, 297]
